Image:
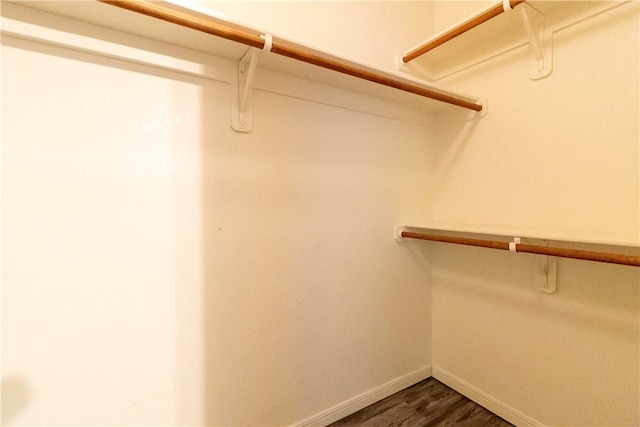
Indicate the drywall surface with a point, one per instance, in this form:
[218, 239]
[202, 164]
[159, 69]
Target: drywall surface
[567, 358]
[161, 269]
[448, 13]
[371, 32]
[559, 154]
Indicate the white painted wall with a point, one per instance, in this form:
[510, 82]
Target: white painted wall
[448, 13]
[371, 32]
[567, 143]
[160, 269]
[561, 155]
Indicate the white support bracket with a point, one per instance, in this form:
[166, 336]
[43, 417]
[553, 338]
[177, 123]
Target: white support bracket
[540, 42]
[242, 94]
[545, 271]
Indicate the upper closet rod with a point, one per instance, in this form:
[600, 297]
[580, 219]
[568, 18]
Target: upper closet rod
[291, 50]
[460, 29]
[532, 249]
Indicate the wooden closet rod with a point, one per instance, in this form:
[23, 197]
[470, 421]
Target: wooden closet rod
[532, 249]
[456, 31]
[241, 35]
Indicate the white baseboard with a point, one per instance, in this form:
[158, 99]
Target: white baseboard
[365, 399]
[481, 398]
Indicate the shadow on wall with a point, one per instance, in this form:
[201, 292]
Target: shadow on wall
[15, 398]
[452, 140]
[596, 296]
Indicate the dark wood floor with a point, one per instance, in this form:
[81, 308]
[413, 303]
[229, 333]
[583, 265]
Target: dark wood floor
[428, 403]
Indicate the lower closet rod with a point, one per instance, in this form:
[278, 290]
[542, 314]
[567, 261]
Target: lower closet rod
[251, 38]
[532, 249]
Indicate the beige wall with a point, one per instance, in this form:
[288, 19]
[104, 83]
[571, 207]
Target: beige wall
[371, 32]
[560, 155]
[449, 13]
[161, 269]
[561, 147]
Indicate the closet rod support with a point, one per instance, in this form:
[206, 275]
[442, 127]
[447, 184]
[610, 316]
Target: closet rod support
[246, 73]
[242, 119]
[540, 43]
[242, 92]
[545, 272]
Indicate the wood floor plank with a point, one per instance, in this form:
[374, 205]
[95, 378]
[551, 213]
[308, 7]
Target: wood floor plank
[401, 415]
[426, 404]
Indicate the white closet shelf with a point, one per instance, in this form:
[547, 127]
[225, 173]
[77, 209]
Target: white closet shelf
[491, 32]
[389, 85]
[513, 242]
[524, 232]
[501, 26]
[495, 13]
